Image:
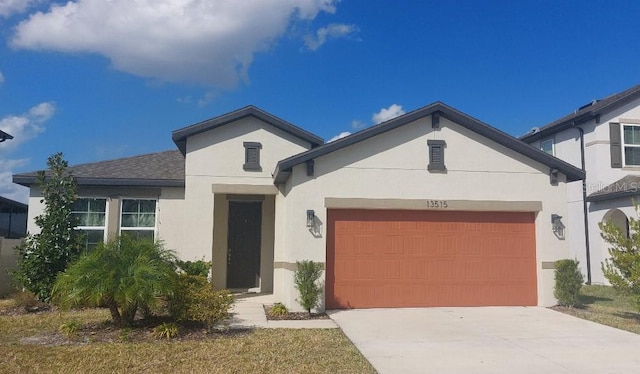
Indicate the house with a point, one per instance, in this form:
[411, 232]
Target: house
[603, 138]
[432, 208]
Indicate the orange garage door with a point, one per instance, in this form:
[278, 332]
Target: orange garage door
[399, 258]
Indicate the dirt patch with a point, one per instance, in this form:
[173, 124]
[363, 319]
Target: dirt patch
[293, 315]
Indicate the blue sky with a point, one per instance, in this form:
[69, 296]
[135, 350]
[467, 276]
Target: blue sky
[99, 79]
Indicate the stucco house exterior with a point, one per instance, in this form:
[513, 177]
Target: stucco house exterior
[432, 208]
[603, 138]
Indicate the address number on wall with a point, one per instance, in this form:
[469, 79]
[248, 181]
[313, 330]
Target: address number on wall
[437, 204]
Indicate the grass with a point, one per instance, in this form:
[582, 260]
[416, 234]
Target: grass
[602, 304]
[259, 351]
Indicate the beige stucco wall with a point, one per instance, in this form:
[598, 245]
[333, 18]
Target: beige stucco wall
[394, 166]
[216, 157]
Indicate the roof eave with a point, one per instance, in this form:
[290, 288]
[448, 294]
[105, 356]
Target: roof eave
[29, 181]
[611, 196]
[180, 136]
[572, 173]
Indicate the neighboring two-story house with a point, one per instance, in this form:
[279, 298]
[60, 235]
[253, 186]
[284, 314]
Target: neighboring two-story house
[432, 208]
[603, 138]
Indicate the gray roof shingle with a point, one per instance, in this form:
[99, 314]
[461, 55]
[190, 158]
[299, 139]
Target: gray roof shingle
[161, 169]
[625, 187]
[584, 113]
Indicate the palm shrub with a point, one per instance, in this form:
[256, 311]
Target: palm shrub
[569, 281]
[125, 275]
[306, 281]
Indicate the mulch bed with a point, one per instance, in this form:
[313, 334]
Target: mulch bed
[107, 332]
[294, 315]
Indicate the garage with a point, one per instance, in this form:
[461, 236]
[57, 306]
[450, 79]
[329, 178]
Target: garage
[429, 258]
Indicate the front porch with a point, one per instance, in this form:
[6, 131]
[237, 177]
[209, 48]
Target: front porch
[243, 240]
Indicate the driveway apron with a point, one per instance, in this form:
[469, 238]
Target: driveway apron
[487, 340]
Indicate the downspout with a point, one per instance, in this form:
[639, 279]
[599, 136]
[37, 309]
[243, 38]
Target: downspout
[585, 209]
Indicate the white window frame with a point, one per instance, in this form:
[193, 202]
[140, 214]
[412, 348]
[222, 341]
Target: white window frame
[153, 229]
[625, 145]
[553, 146]
[106, 216]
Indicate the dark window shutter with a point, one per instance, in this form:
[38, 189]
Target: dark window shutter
[615, 145]
[436, 155]
[252, 156]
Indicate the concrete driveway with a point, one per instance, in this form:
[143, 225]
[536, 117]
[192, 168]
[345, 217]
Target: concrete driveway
[487, 340]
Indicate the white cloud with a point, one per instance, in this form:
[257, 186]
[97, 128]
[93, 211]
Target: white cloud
[1, 78]
[333, 31]
[386, 114]
[357, 124]
[10, 7]
[23, 128]
[7, 188]
[200, 41]
[339, 136]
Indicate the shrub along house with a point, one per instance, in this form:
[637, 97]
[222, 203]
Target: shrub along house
[432, 208]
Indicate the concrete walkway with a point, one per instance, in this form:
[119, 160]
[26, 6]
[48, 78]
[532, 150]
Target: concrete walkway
[487, 340]
[248, 312]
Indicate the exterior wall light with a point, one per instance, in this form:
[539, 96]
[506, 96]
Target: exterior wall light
[311, 218]
[557, 226]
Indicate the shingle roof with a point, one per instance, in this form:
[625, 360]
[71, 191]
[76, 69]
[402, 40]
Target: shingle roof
[283, 167]
[180, 136]
[584, 113]
[161, 169]
[625, 187]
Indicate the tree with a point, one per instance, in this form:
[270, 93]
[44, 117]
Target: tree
[622, 269]
[305, 279]
[125, 274]
[45, 254]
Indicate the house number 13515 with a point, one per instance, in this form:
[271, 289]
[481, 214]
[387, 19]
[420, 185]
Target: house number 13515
[437, 204]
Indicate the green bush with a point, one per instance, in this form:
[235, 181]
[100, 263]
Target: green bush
[278, 310]
[125, 275]
[69, 328]
[196, 300]
[306, 281]
[199, 267]
[569, 281]
[166, 330]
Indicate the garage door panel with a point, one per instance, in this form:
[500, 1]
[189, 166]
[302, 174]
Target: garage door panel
[428, 258]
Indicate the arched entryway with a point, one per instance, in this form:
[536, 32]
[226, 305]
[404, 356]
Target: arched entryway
[618, 218]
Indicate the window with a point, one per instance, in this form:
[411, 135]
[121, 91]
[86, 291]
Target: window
[90, 214]
[436, 155]
[138, 218]
[631, 139]
[252, 156]
[547, 146]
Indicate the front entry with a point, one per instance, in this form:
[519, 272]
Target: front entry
[243, 256]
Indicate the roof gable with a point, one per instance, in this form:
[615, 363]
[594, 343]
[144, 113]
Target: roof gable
[284, 167]
[180, 136]
[585, 113]
[161, 169]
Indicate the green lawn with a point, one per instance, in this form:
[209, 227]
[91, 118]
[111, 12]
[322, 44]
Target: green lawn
[31, 343]
[603, 305]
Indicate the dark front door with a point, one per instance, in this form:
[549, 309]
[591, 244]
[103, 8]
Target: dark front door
[243, 256]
